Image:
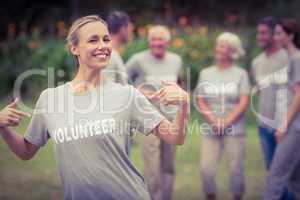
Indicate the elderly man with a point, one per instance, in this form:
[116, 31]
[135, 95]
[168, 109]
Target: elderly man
[149, 70]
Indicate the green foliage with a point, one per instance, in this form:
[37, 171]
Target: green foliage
[194, 45]
[27, 52]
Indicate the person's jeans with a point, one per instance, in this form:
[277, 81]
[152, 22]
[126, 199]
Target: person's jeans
[268, 143]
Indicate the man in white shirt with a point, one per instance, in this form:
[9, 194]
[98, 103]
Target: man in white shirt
[148, 70]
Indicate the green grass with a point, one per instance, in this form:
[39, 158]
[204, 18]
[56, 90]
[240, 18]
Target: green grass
[38, 178]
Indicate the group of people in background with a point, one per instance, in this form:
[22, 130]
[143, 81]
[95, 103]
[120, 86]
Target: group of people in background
[223, 94]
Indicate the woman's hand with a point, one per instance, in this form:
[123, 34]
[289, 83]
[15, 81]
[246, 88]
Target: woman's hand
[279, 135]
[171, 94]
[219, 125]
[10, 116]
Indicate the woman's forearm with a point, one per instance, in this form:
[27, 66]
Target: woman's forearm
[181, 121]
[238, 110]
[206, 111]
[293, 108]
[175, 132]
[16, 142]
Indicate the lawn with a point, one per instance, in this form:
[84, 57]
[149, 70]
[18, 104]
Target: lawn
[38, 179]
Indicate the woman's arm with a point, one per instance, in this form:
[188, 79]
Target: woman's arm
[218, 123]
[239, 109]
[174, 132]
[147, 93]
[206, 111]
[293, 108]
[18, 144]
[10, 116]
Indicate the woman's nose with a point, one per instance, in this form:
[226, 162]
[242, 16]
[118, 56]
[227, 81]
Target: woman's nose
[103, 44]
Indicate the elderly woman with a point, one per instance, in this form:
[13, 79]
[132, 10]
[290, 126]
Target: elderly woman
[222, 95]
[147, 69]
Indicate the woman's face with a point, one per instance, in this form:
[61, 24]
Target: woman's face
[158, 45]
[94, 47]
[223, 51]
[281, 37]
[264, 36]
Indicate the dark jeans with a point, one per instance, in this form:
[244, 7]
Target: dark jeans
[268, 143]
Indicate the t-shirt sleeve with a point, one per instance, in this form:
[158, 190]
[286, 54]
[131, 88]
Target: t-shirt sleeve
[253, 74]
[132, 68]
[143, 114]
[295, 71]
[245, 83]
[200, 85]
[122, 74]
[37, 132]
[180, 72]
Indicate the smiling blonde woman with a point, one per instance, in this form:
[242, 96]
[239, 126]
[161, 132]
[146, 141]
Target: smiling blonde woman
[89, 134]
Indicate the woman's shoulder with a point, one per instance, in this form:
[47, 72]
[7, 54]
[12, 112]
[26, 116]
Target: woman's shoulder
[51, 92]
[239, 70]
[296, 57]
[208, 70]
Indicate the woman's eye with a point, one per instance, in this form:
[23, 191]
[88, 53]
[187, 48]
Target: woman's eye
[106, 40]
[93, 40]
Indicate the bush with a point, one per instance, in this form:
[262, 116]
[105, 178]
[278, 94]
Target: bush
[195, 45]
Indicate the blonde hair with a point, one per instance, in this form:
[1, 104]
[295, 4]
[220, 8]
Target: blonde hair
[72, 37]
[160, 30]
[234, 42]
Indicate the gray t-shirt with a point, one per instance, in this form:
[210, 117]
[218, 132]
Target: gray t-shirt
[294, 78]
[147, 72]
[221, 90]
[271, 76]
[89, 133]
[115, 71]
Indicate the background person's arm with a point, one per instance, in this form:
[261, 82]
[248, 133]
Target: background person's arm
[239, 109]
[293, 109]
[216, 123]
[133, 70]
[242, 105]
[206, 111]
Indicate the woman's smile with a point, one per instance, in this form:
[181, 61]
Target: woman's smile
[103, 55]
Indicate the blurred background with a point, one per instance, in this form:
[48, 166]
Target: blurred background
[32, 35]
